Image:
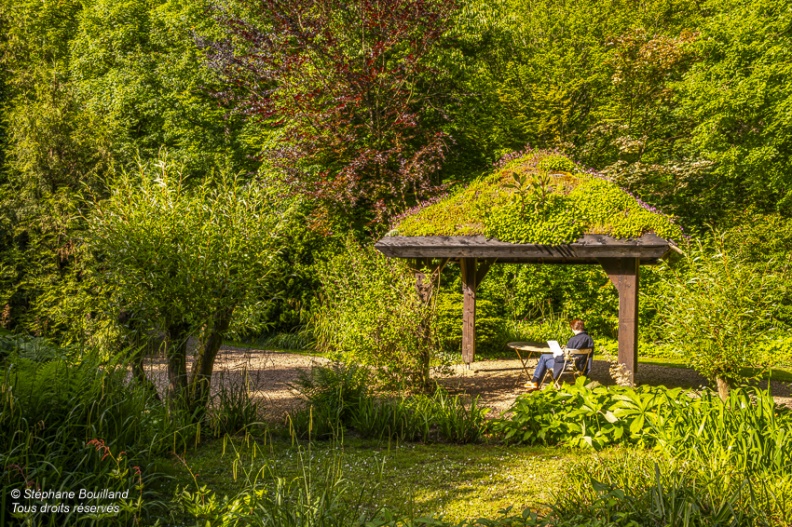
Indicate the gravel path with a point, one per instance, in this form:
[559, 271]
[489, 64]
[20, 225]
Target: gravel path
[269, 375]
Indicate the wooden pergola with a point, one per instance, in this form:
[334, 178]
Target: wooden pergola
[621, 260]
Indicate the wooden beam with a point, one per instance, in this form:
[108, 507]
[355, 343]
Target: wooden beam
[469, 286]
[483, 268]
[625, 273]
[587, 249]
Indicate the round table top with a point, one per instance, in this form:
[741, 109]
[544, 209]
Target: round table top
[539, 347]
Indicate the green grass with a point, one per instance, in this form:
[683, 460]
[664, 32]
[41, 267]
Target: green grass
[455, 481]
[664, 361]
[777, 374]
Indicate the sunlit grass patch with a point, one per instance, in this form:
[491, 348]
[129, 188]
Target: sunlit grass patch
[454, 481]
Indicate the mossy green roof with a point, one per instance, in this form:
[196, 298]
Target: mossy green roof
[539, 198]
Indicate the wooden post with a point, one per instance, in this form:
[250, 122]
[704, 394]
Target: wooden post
[472, 275]
[624, 273]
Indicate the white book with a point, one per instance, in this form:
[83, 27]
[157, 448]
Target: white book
[555, 348]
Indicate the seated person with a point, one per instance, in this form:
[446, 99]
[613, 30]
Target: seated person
[580, 341]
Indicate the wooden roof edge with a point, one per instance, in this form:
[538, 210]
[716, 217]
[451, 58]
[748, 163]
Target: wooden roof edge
[587, 249]
[648, 239]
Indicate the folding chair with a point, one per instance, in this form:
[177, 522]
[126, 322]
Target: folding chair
[571, 358]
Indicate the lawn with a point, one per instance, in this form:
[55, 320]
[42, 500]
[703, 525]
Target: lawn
[453, 481]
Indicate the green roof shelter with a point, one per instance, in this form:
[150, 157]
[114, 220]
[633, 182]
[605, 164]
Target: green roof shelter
[538, 208]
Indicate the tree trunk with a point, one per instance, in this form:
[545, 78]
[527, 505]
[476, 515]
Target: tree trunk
[176, 353]
[723, 388]
[201, 375]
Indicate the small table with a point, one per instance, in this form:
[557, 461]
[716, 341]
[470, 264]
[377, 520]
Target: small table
[525, 352]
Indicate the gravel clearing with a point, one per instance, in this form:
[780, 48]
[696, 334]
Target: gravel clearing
[270, 375]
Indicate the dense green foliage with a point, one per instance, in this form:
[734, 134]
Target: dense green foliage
[722, 313]
[91, 88]
[683, 103]
[352, 94]
[300, 139]
[73, 422]
[538, 198]
[490, 323]
[682, 106]
[672, 420]
[371, 313]
[185, 262]
[714, 463]
[635, 491]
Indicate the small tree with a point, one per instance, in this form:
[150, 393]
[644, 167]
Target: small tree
[183, 261]
[718, 311]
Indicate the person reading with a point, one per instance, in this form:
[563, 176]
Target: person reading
[555, 361]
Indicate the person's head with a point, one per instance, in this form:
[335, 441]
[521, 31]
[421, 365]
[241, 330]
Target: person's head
[577, 326]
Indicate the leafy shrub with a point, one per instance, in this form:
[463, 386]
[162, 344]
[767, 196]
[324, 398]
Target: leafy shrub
[557, 163]
[299, 340]
[490, 328]
[535, 294]
[187, 261]
[717, 308]
[370, 313]
[551, 327]
[333, 396]
[421, 418]
[747, 430]
[582, 415]
[313, 499]
[638, 490]
[74, 422]
[232, 409]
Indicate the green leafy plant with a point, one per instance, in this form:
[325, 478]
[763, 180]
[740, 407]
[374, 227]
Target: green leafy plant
[746, 430]
[370, 312]
[333, 395]
[490, 328]
[318, 497]
[642, 490]
[185, 261]
[566, 205]
[340, 397]
[717, 309]
[232, 409]
[72, 422]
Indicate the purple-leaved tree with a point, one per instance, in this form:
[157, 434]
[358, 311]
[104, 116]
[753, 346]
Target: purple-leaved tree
[351, 94]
